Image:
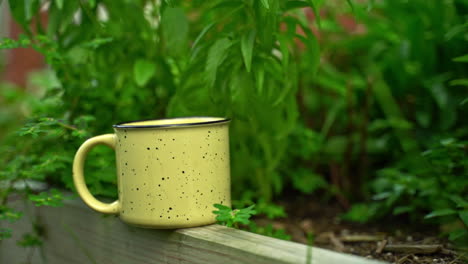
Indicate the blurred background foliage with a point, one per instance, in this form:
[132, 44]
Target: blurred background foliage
[363, 102]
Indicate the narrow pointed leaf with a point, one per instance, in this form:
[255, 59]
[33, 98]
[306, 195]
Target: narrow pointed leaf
[247, 44]
[265, 4]
[216, 56]
[442, 212]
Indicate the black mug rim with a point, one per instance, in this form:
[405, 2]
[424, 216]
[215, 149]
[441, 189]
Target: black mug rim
[128, 124]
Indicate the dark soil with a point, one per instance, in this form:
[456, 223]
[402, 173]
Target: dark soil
[379, 240]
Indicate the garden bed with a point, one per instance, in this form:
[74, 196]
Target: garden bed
[76, 234]
[395, 240]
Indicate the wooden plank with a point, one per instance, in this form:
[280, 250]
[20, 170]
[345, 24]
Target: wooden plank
[76, 234]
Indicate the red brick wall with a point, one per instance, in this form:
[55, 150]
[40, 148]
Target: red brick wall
[21, 61]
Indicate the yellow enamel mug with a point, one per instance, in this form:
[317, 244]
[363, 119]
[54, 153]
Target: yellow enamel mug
[170, 171]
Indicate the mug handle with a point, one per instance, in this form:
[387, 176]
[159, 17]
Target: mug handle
[78, 177]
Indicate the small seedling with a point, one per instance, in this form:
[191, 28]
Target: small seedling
[231, 218]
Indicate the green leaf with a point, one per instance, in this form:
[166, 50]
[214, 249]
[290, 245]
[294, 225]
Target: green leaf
[283, 41]
[175, 30]
[5, 233]
[265, 4]
[247, 44]
[216, 56]
[360, 213]
[59, 4]
[463, 58]
[350, 3]
[23, 10]
[143, 70]
[459, 82]
[459, 201]
[457, 234]
[464, 217]
[96, 43]
[442, 212]
[30, 240]
[306, 181]
[9, 214]
[295, 4]
[402, 209]
[316, 12]
[202, 34]
[259, 78]
[222, 207]
[22, 42]
[52, 198]
[170, 3]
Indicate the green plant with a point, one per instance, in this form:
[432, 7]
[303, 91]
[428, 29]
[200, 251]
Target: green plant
[457, 213]
[231, 218]
[103, 72]
[436, 191]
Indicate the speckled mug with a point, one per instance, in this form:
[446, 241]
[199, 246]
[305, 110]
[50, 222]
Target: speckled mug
[170, 171]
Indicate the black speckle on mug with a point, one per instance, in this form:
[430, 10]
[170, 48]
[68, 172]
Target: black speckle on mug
[160, 216]
[159, 185]
[183, 171]
[170, 208]
[173, 139]
[137, 189]
[173, 157]
[187, 219]
[126, 163]
[162, 178]
[168, 217]
[148, 148]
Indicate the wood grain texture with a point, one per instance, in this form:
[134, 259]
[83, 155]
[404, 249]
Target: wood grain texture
[76, 234]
